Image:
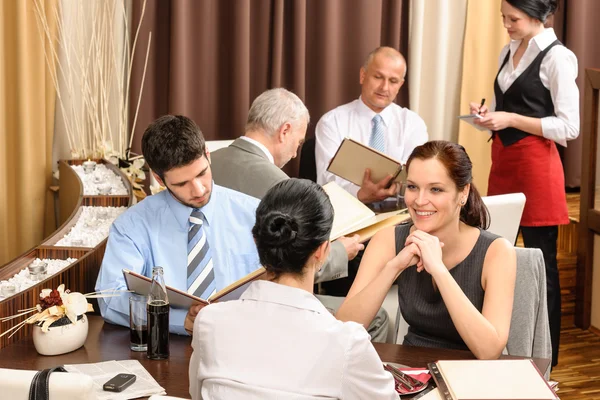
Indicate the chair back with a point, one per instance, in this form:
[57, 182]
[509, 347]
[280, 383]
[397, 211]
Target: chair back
[505, 214]
[308, 164]
[529, 334]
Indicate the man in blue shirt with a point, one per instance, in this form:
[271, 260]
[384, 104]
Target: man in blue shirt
[164, 229]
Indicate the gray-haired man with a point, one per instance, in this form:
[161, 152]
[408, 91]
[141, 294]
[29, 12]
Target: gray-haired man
[275, 130]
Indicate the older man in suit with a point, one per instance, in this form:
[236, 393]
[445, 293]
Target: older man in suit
[275, 130]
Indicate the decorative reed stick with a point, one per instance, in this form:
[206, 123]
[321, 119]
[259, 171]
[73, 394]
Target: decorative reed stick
[90, 64]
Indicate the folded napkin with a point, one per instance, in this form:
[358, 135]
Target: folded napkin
[15, 384]
[409, 380]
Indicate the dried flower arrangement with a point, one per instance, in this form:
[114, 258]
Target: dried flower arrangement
[57, 306]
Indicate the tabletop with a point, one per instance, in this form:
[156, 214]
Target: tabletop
[106, 342]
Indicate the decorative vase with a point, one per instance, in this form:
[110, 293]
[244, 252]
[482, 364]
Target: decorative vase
[61, 337]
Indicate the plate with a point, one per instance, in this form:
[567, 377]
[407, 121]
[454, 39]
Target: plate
[405, 393]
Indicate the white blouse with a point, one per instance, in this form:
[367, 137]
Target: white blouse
[280, 342]
[558, 72]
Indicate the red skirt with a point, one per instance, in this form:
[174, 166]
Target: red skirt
[531, 166]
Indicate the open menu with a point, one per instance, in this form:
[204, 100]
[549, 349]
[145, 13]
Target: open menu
[178, 298]
[352, 158]
[353, 217]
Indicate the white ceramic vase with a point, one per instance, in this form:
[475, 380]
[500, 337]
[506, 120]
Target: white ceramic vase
[60, 339]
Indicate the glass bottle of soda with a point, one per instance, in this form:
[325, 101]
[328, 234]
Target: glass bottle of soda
[158, 317]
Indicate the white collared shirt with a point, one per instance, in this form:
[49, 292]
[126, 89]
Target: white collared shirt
[404, 130]
[558, 72]
[280, 342]
[261, 146]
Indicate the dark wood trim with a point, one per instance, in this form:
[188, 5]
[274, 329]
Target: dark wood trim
[593, 221]
[106, 201]
[594, 330]
[590, 219]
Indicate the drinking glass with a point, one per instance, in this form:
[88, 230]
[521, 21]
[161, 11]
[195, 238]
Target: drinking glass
[138, 323]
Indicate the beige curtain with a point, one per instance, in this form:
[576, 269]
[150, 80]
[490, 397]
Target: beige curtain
[436, 34]
[484, 38]
[92, 30]
[26, 129]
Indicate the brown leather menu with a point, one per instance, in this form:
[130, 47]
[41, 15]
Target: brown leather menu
[178, 298]
[352, 158]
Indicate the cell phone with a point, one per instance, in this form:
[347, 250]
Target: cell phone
[119, 383]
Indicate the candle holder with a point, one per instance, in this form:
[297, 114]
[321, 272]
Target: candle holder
[98, 179]
[8, 289]
[38, 270]
[89, 166]
[77, 242]
[102, 213]
[104, 189]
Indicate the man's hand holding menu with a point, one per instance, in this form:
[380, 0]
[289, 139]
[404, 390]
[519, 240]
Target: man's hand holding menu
[376, 173]
[371, 192]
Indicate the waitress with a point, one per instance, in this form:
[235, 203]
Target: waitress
[536, 106]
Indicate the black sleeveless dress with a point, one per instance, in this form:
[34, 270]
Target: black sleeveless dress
[422, 305]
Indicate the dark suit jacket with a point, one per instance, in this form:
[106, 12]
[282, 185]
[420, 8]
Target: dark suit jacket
[242, 166]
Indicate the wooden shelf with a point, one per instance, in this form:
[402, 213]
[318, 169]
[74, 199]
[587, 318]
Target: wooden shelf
[81, 275]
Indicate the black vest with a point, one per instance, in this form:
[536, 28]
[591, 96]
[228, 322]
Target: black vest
[526, 96]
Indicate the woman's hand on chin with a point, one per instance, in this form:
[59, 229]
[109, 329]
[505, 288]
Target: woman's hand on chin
[430, 251]
[409, 255]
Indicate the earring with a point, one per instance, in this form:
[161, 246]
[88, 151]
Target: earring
[462, 203]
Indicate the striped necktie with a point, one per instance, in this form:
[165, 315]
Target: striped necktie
[377, 139]
[200, 273]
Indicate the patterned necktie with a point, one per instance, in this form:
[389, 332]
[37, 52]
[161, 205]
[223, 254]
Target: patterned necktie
[377, 139]
[200, 273]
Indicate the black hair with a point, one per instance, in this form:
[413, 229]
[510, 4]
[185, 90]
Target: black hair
[293, 219]
[172, 141]
[455, 159]
[538, 9]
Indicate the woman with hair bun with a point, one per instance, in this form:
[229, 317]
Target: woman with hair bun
[278, 341]
[455, 280]
[536, 105]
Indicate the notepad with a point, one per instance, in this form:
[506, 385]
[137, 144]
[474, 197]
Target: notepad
[470, 118]
[352, 158]
[353, 217]
[491, 380]
[177, 298]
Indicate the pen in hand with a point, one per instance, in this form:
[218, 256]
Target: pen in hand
[481, 105]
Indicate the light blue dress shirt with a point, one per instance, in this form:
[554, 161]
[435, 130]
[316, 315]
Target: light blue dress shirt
[155, 233]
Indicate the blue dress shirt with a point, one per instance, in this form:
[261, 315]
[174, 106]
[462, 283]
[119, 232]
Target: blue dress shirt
[154, 232]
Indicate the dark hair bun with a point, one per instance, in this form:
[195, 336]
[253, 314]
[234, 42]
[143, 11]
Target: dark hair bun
[293, 219]
[279, 229]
